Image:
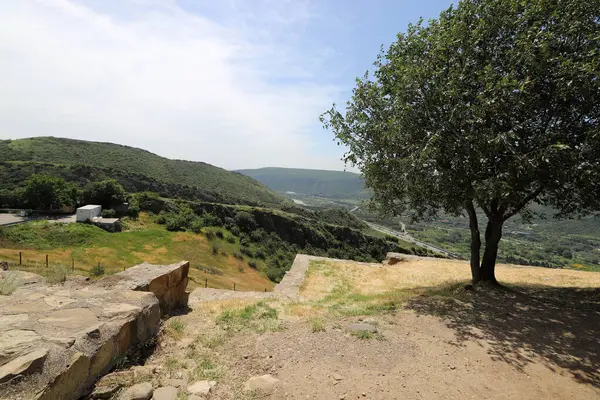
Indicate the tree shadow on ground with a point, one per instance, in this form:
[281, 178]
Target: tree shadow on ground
[560, 325]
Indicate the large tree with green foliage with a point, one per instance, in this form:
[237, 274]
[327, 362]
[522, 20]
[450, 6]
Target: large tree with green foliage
[47, 192]
[492, 106]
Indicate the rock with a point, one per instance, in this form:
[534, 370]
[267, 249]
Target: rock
[178, 383]
[12, 321]
[165, 393]
[142, 372]
[202, 388]
[121, 378]
[391, 260]
[65, 342]
[24, 365]
[15, 342]
[337, 377]
[264, 384]
[68, 381]
[362, 328]
[105, 392]
[194, 397]
[72, 318]
[121, 309]
[141, 391]
[4, 265]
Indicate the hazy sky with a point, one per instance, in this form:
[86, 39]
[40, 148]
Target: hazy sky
[235, 83]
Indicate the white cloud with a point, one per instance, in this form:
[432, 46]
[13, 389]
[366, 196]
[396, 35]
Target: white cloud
[161, 76]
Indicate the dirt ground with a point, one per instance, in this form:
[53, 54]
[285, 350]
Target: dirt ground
[530, 341]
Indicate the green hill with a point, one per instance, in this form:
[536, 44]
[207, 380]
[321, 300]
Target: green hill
[313, 182]
[136, 169]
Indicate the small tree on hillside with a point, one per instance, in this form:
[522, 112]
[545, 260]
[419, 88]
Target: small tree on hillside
[493, 106]
[47, 192]
[107, 193]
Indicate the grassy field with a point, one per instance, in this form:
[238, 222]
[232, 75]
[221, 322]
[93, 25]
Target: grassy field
[87, 246]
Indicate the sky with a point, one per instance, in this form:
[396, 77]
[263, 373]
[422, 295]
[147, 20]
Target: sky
[234, 83]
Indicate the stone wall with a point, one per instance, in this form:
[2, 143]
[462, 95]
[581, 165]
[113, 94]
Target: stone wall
[56, 341]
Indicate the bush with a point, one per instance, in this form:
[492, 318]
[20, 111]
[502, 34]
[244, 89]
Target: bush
[58, 274]
[220, 234]
[275, 274]
[196, 226]
[108, 213]
[215, 250]
[133, 211]
[252, 264]
[8, 284]
[211, 220]
[210, 235]
[260, 254]
[174, 223]
[245, 221]
[238, 255]
[235, 230]
[247, 251]
[97, 270]
[231, 239]
[161, 218]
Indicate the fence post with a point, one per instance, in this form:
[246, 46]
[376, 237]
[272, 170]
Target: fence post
[46, 260]
[234, 286]
[73, 264]
[205, 283]
[265, 290]
[20, 258]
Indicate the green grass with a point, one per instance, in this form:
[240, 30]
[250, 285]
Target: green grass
[317, 325]
[363, 335]
[259, 317]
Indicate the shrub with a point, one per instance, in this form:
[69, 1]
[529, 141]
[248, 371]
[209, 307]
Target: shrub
[210, 235]
[209, 270]
[260, 254]
[257, 236]
[174, 223]
[235, 230]
[196, 225]
[275, 274]
[211, 220]
[245, 221]
[215, 250]
[220, 234]
[238, 255]
[57, 274]
[252, 264]
[247, 251]
[8, 284]
[133, 211]
[317, 325]
[97, 270]
[108, 213]
[161, 218]
[230, 238]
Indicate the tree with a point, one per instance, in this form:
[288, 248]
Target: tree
[492, 106]
[49, 192]
[107, 193]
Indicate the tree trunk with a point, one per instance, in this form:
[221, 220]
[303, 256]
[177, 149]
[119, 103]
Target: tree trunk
[493, 234]
[475, 243]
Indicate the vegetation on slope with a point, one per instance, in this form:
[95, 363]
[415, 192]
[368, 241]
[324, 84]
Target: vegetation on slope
[314, 182]
[137, 170]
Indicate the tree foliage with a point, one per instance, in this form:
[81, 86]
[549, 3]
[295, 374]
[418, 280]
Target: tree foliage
[494, 105]
[46, 192]
[107, 193]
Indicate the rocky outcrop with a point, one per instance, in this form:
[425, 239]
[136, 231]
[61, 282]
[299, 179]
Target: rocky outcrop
[58, 340]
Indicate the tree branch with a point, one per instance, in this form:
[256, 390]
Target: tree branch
[523, 203]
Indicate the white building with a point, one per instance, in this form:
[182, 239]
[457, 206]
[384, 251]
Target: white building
[86, 213]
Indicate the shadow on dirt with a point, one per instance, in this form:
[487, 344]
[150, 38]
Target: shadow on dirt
[560, 325]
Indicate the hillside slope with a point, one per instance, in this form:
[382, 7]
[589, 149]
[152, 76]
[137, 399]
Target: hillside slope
[314, 182]
[135, 168]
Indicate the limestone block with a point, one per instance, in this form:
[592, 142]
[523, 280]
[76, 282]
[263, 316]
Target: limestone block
[23, 365]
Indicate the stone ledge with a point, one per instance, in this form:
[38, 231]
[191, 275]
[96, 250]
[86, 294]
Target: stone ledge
[83, 328]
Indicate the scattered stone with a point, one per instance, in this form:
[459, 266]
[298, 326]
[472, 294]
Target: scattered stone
[362, 328]
[24, 365]
[141, 391]
[394, 259]
[264, 384]
[105, 392]
[178, 383]
[4, 265]
[202, 388]
[337, 377]
[165, 393]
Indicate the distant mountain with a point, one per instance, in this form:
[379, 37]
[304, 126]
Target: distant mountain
[314, 182]
[136, 169]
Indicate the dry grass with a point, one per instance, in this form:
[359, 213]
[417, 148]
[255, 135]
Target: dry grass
[325, 278]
